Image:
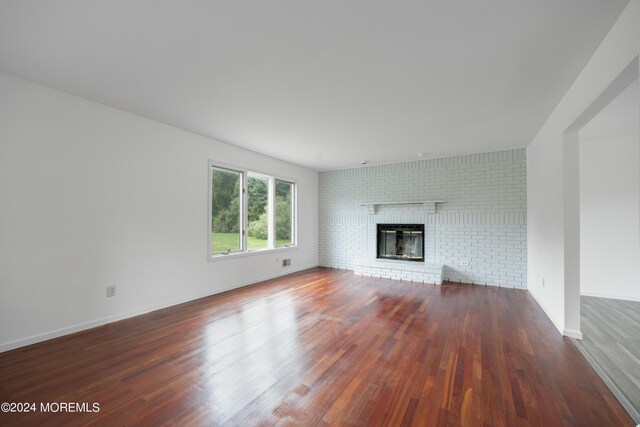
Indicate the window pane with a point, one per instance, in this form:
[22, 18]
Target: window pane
[225, 210]
[258, 218]
[284, 213]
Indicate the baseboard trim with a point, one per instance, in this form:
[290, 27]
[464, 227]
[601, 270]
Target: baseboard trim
[572, 333]
[610, 296]
[559, 327]
[57, 333]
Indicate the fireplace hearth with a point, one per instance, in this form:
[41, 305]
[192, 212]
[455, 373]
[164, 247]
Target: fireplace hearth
[401, 242]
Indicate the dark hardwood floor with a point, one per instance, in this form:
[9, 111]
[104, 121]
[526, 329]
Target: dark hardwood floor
[320, 347]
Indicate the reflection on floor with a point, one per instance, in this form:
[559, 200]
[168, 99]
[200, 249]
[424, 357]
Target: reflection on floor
[611, 341]
[318, 347]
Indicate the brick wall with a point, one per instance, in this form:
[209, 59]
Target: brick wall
[479, 233]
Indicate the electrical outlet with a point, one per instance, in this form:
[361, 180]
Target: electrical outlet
[543, 282]
[465, 262]
[111, 291]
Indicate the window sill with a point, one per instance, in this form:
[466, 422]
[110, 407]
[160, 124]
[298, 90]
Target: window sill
[218, 257]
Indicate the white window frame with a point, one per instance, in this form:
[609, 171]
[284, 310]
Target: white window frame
[244, 175]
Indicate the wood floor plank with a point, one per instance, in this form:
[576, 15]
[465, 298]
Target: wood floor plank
[319, 347]
[611, 331]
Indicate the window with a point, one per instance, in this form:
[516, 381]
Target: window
[250, 212]
[258, 216]
[226, 218]
[284, 213]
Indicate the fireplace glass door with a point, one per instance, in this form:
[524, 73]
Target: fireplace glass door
[401, 241]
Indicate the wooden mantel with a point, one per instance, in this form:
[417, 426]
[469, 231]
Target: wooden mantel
[429, 205]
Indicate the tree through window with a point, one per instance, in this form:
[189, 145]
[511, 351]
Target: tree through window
[250, 211]
[284, 213]
[226, 224]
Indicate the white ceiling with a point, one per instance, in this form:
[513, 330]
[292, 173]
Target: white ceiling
[620, 117]
[324, 84]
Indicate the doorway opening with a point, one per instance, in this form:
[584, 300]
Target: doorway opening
[602, 235]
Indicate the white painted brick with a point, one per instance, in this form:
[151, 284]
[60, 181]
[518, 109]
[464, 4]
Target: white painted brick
[483, 220]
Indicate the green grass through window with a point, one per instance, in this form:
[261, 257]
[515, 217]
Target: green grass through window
[220, 242]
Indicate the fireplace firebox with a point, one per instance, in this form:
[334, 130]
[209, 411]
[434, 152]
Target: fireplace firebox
[401, 241]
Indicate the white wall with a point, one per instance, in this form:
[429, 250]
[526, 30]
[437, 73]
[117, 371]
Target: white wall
[482, 222]
[93, 196]
[609, 212]
[546, 172]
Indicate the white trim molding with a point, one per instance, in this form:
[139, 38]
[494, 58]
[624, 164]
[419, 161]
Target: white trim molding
[572, 333]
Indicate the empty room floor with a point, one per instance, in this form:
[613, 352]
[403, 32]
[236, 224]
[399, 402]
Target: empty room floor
[611, 339]
[320, 347]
